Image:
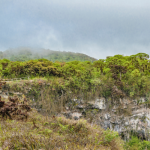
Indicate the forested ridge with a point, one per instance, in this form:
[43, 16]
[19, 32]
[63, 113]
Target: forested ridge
[116, 76]
[113, 78]
[25, 54]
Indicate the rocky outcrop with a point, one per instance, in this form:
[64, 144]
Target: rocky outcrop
[126, 116]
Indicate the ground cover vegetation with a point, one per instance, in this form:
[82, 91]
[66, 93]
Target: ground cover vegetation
[49, 133]
[136, 144]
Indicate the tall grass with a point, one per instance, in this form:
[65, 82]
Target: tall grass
[56, 133]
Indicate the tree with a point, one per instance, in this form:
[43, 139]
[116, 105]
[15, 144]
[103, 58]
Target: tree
[100, 64]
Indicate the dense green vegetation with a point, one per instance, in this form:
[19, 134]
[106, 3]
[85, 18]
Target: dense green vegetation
[117, 77]
[25, 54]
[136, 144]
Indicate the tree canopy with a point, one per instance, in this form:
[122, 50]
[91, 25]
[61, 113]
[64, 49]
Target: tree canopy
[114, 76]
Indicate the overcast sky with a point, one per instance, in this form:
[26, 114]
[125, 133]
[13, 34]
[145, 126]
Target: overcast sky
[98, 28]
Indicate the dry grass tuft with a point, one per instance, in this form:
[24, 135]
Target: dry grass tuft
[51, 133]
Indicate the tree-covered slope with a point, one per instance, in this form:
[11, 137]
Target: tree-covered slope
[118, 76]
[25, 54]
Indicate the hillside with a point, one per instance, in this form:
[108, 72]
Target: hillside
[22, 127]
[24, 54]
[113, 93]
[62, 123]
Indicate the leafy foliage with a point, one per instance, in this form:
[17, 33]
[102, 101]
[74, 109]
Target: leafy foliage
[136, 144]
[116, 76]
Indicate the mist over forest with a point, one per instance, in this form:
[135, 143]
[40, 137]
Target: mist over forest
[24, 54]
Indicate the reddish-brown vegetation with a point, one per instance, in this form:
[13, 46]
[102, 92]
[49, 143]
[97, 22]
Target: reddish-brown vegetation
[13, 109]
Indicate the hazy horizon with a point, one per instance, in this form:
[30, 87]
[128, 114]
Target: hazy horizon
[95, 28]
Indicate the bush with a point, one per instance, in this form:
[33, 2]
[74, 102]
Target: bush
[136, 144]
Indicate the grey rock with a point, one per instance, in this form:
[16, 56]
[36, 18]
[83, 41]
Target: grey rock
[80, 107]
[75, 118]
